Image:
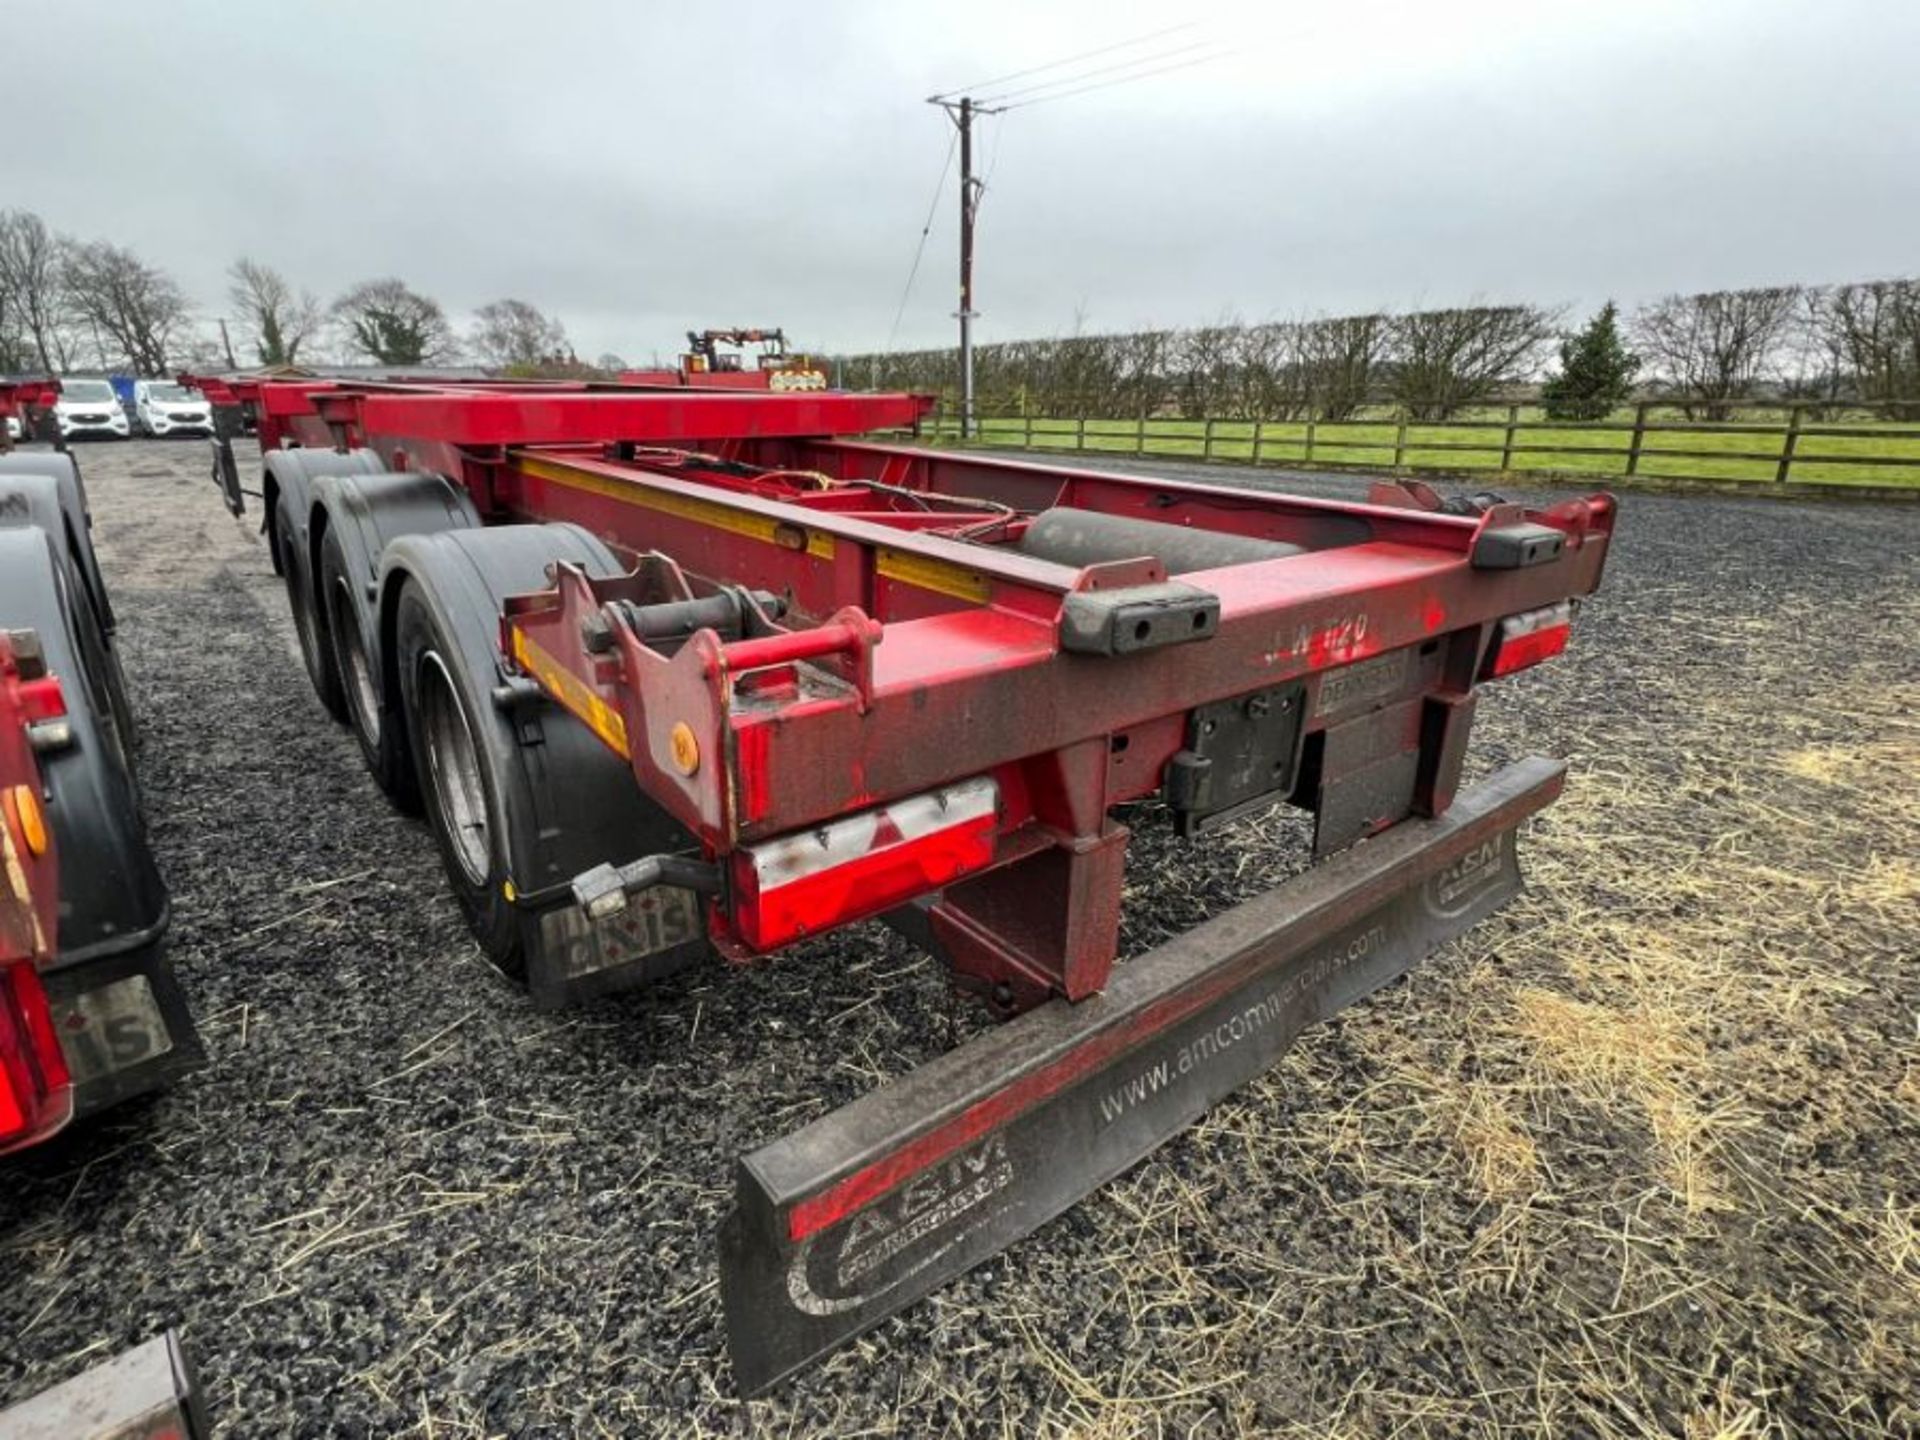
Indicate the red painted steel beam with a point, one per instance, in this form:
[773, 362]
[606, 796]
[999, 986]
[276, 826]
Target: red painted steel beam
[962, 693]
[981, 683]
[1026, 485]
[979, 689]
[488, 416]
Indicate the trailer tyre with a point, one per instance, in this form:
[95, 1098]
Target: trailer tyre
[382, 736]
[457, 779]
[314, 651]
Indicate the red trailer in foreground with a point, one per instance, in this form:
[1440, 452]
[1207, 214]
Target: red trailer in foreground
[90, 1013]
[673, 671]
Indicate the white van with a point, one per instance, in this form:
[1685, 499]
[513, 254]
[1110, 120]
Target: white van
[89, 407]
[161, 407]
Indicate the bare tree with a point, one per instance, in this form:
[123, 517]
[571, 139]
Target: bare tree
[32, 291]
[134, 310]
[513, 335]
[1077, 375]
[1202, 361]
[1875, 330]
[1814, 363]
[1143, 371]
[1445, 360]
[205, 355]
[16, 352]
[1262, 382]
[1338, 361]
[280, 321]
[610, 362]
[392, 325]
[1711, 349]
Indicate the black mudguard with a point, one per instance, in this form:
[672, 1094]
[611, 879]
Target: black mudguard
[293, 474]
[570, 803]
[124, 1023]
[59, 508]
[370, 511]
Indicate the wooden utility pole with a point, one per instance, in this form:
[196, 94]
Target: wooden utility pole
[962, 112]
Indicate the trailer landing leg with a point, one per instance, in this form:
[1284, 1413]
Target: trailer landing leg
[859, 1214]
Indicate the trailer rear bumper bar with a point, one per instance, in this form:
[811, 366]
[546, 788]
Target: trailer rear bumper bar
[848, 1220]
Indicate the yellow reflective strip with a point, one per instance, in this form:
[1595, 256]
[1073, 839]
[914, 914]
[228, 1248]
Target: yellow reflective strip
[927, 573]
[684, 507]
[571, 691]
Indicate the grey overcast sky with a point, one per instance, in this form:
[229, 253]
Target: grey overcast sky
[638, 168]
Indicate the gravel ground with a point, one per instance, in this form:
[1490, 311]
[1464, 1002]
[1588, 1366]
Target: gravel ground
[1641, 1156]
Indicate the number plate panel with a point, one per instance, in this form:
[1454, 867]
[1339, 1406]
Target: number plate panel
[653, 921]
[113, 1028]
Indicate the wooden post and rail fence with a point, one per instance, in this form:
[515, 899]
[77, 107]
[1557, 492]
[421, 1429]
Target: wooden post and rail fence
[1657, 444]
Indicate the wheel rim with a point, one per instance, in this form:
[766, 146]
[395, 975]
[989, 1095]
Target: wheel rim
[350, 654]
[453, 770]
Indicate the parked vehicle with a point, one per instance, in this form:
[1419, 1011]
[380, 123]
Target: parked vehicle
[162, 408]
[715, 360]
[675, 671]
[90, 407]
[90, 1012]
[123, 391]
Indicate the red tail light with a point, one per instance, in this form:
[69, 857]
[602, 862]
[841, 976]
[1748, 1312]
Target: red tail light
[42, 699]
[1527, 639]
[36, 1097]
[807, 883]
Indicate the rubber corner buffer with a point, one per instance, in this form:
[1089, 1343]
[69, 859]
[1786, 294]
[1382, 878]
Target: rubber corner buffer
[1138, 617]
[1515, 547]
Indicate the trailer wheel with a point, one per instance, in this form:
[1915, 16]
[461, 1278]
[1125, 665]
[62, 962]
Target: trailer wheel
[457, 780]
[382, 737]
[306, 623]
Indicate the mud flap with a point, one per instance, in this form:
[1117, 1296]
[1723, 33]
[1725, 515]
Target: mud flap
[123, 1025]
[841, 1224]
[226, 474]
[572, 958]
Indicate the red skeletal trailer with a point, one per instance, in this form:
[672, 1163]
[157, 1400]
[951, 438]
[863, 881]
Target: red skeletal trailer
[674, 669]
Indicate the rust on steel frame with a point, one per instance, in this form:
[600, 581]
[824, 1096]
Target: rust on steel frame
[948, 711]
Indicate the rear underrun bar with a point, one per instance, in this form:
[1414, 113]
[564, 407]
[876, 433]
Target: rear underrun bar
[840, 1224]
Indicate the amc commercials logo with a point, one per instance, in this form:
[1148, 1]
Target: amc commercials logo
[1455, 889]
[902, 1233]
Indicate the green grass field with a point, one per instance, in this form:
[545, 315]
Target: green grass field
[1744, 452]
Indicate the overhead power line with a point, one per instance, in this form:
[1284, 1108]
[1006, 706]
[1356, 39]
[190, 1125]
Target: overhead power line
[963, 109]
[1121, 80]
[1069, 60]
[1152, 58]
[926, 229]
